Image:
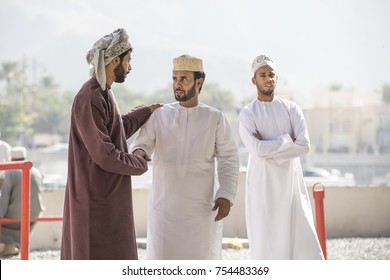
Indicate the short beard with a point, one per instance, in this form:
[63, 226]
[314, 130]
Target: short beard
[265, 92]
[187, 95]
[268, 93]
[119, 74]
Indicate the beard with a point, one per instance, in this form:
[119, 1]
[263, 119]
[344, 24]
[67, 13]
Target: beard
[187, 94]
[120, 74]
[265, 92]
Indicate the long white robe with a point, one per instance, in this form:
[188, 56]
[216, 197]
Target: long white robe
[279, 218]
[186, 143]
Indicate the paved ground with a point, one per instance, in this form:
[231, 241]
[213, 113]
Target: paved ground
[237, 249]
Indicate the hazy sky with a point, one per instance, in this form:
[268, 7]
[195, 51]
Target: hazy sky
[315, 43]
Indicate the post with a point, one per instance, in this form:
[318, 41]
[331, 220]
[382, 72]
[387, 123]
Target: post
[25, 208]
[25, 166]
[319, 195]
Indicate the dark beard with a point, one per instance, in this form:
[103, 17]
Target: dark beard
[119, 74]
[265, 92]
[187, 95]
[268, 93]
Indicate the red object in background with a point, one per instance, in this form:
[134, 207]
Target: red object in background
[25, 166]
[319, 195]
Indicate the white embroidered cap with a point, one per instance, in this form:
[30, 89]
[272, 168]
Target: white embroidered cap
[18, 153]
[262, 60]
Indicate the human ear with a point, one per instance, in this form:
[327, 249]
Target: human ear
[117, 61]
[199, 82]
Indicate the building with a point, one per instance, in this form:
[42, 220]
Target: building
[350, 131]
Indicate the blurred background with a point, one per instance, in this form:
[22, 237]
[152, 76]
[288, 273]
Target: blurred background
[332, 59]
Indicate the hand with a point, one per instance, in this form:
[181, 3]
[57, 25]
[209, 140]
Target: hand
[142, 153]
[223, 206]
[257, 135]
[155, 106]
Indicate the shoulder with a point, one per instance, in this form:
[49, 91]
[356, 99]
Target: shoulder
[249, 108]
[36, 171]
[90, 90]
[289, 104]
[208, 108]
[162, 115]
[4, 144]
[166, 109]
[90, 94]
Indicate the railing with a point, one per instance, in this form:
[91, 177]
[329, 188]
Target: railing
[319, 195]
[25, 166]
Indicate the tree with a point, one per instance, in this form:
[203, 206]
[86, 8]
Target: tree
[9, 120]
[27, 109]
[14, 78]
[386, 94]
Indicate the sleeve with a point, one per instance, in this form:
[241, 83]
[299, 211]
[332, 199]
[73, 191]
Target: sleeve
[260, 148]
[5, 194]
[91, 119]
[228, 163]
[301, 144]
[134, 119]
[146, 139]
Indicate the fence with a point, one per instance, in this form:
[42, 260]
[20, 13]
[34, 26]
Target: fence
[25, 166]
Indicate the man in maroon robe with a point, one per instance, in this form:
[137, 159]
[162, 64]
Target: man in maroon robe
[98, 211]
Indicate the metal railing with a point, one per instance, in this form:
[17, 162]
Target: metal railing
[25, 166]
[319, 195]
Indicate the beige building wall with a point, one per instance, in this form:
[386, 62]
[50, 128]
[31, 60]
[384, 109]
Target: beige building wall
[349, 212]
[350, 131]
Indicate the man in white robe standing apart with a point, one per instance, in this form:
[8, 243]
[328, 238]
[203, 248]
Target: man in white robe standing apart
[188, 199]
[279, 218]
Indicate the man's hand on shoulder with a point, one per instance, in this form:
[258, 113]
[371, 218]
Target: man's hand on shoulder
[155, 106]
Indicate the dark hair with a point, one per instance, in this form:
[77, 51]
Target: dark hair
[198, 75]
[122, 55]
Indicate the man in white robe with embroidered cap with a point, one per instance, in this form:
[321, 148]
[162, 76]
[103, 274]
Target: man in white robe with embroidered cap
[278, 211]
[188, 138]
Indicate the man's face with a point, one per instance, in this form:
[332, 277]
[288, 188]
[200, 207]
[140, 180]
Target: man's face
[184, 86]
[265, 80]
[123, 69]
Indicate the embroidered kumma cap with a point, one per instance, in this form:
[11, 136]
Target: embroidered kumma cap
[18, 153]
[187, 63]
[262, 60]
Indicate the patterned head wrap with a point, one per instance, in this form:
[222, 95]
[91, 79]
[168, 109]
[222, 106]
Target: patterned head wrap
[104, 51]
[187, 63]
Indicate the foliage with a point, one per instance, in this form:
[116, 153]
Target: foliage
[211, 95]
[28, 109]
[386, 94]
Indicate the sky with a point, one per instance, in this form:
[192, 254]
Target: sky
[314, 43]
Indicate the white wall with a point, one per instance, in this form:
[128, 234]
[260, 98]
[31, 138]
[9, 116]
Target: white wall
[349, 212]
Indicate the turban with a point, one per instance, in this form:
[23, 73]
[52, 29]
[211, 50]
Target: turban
[187, 63]
[104, 51]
